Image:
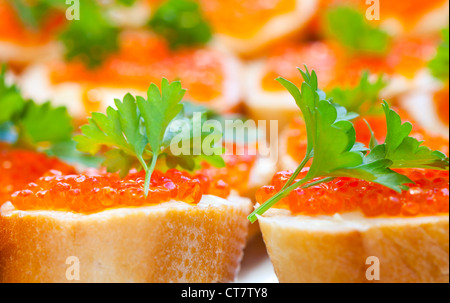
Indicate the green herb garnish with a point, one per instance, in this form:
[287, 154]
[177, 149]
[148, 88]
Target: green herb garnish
[32, 123]
[362, 98]
[126, 2]
[334, 152]
[92, 38]
[141, 131]
[39, 127]
[439, 65]
[181, 23]
[33, 14]
[349, 27]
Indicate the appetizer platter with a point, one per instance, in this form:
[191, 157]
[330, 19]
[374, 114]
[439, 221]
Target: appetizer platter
[159, 141]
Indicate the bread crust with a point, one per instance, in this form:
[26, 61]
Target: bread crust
[335, 249]
[170, 242]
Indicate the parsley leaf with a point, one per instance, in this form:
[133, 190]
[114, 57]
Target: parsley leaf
[181, 23]
[439, 65]
[141, 131]
[11, 101]
[92, 38]
[33, 123]
[362, 98]
[349, 27]
[34, 13]
[407, 151]
[334, 152]
[160, 109]
[44, 123]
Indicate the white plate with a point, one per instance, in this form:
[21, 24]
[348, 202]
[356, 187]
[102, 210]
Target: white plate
[256, 266]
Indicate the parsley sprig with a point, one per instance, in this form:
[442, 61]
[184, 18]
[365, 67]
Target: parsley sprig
[439, 65]
[349, 27]
[181, 23]
[90, 39]
[141, 131]
[362, 98]
[33, 14]
[334, 152]
[32, 123]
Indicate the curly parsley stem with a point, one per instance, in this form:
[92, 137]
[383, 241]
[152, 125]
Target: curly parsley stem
[283, 194]
[272, 201]
[148, 174]
[284, 191]
[298, 170]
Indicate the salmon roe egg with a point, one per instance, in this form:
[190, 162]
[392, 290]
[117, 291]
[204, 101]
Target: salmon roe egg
[19, 167]
[93, 193]
[236, 173]
[428, 195]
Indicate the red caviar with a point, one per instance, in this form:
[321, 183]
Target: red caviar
[19, 167]
[335, 66]
[243, 19]
[429, 195]
[407, 13]
[13, 30]
[200, 70]
[86, 193]
[323, 57]
[410, 12]
[236, 173]
[405, 57]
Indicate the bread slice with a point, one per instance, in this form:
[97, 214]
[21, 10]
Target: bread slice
[169, 242]
[336, 249]
[22, 55]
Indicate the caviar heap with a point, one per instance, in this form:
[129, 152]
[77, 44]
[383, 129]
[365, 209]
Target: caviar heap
[19, 167]
[429, 195]
[243, 19]
[92, 193]
[236, 173]
[199, 69]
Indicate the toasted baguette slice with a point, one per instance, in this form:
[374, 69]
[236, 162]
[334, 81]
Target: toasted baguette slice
[335, 249]
[170, 242]
[23, 55]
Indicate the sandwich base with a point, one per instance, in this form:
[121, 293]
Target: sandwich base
[336, 249]
[170, 242]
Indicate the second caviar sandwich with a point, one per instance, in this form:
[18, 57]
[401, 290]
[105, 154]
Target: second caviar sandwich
[129, 226]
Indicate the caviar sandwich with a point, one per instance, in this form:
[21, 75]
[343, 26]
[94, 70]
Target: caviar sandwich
[347, 202]
[134, 223]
